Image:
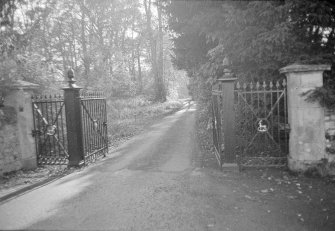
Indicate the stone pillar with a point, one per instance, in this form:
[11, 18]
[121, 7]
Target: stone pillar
[74, 125]
[19, 97]
[227, 82]
[306, 119]
[228, 123]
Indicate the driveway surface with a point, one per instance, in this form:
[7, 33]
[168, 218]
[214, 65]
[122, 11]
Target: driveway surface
[154, 181]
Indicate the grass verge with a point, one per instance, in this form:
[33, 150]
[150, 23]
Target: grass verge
[128, 117]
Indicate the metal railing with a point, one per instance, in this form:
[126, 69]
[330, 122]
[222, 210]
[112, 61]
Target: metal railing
[217, 125]
[250, 123]
[262, 128]
[50, 129]
[94, 122]
[70, 129]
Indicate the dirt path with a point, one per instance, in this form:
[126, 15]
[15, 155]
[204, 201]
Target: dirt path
[156, 182]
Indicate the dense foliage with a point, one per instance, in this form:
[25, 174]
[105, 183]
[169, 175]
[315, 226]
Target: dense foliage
[116, 46]
[258, 37]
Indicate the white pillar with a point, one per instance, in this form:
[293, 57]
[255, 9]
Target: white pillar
[20, 98]
[306, 119]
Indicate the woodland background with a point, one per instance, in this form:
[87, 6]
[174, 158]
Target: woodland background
[134, 47]
[121, 47]
[258, 37]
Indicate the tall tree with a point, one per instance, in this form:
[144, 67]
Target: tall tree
[160, 61]
[160, 94]
[111, 45]
[259, 37]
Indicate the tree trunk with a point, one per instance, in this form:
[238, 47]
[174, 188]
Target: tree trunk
[73, 44]
[84, 46]
[133, 74]
[153, 49]
[123, 51]
[161, 84]
[140, 84]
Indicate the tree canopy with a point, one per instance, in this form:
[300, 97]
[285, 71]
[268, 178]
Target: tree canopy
[117, 46]
[258, 37]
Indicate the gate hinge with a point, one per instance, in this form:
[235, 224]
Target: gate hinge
[288, 128]
[35, 132]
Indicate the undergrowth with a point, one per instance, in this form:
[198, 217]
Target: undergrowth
[203, 121]
[128, 116]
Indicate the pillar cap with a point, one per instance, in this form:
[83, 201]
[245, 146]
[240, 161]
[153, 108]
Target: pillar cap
[304, 68]
[223, 79]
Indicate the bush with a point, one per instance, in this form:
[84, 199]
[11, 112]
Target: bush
[127, 116]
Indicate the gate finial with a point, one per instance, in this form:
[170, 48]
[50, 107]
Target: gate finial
[225, 62]
[70, 75]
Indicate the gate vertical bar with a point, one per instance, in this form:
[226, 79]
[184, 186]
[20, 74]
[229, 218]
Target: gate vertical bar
[74, 122]
[218, 128]
[105, 125]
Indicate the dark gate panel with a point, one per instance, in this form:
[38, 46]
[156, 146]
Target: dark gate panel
[261, 124]
[217, 125]
[50, 129]
[94, 121]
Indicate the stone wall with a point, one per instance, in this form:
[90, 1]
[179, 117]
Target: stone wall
[10, 156]
[330, 133]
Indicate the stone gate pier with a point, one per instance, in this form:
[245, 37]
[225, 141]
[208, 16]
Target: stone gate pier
[17, 146]
[306, 119]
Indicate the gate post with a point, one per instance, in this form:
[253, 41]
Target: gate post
[227, 82]
[73, 121]
[17, 146]
[306, 119]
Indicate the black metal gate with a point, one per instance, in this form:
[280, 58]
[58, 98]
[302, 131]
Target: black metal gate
[94, 123]
[261, 128]
[50, 129]
[217, 124]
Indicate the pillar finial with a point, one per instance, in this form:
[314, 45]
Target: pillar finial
[71, 81]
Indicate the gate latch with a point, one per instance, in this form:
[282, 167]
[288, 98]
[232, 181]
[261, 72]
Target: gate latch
[35, 132]
[288, 128]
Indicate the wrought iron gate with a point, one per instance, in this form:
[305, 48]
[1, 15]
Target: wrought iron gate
[94, 121]
[217, 125]
[50, 129]
[261, 128]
